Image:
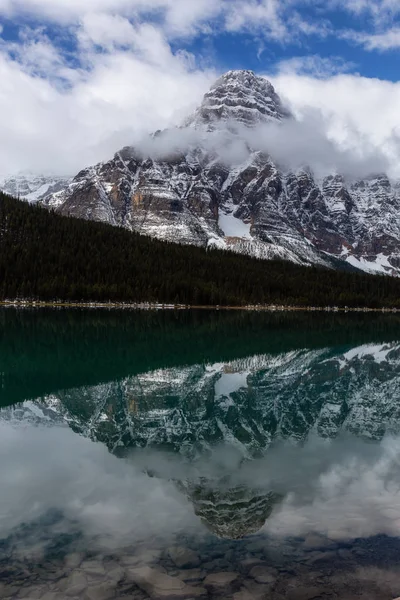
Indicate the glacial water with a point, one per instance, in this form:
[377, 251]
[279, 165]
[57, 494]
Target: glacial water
[197, 454]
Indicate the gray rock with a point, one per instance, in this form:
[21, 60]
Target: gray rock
[220, 579]
[34, 593]
[52, 596]
[219, 564]
[258, 591]
[183, 557]
[104, 591]
[146, 557]
[244, 594]
[93, 567]
[305, 593]
[73, 585]
[73, 561]
[11, 590]
[263, 574]
[248, 563]
[191, 575]
[315, 541]
[316, 557]
[161, 586]
[115, 573]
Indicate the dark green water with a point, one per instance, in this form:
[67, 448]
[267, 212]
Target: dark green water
[199, 454]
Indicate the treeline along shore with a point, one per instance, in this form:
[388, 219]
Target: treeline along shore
[45, 257]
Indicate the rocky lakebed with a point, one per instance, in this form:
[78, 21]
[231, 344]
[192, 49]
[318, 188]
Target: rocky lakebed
[55, 565]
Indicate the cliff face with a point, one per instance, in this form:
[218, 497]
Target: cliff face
[197, 195]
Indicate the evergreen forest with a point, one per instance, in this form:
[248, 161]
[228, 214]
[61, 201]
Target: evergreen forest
[45, 256]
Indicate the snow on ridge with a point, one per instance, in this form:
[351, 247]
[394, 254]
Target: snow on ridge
[33, 187]
[379, 352]
[228, 383]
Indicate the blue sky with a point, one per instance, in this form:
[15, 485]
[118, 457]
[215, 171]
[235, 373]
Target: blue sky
[81, 77]
[232, 50]
[359, 36]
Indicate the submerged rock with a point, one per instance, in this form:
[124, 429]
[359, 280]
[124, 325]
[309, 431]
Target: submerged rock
[161, 586]
[183, 557]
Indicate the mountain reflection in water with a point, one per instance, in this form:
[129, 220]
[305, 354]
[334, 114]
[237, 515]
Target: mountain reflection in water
[210, 444]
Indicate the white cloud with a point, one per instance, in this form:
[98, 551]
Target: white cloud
[380, 33]
[109, 499]
[316, 66]
[347, 123]
[63, 107]
[254, 14]
[276, 19]
[108, 31]
[179, 16]
[357, 112]
[381, 11]
[292, 145]
[122, 95]
[345, 488]
[388, 40]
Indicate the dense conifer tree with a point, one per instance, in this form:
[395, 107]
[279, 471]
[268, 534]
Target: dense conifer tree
[49, 257]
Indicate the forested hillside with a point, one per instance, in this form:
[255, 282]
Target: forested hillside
[46, 256]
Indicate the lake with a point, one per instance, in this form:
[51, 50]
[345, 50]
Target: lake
[199, 454]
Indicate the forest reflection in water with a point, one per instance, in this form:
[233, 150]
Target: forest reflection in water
[246, 456]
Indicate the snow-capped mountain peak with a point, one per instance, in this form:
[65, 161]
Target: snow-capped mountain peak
[216, 190]
[239, 97]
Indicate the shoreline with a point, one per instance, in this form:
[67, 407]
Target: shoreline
[160, 306]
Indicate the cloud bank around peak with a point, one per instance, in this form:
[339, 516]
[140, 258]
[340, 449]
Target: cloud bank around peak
[359, 114]
[46, 126]
[291, 144]
[79, 79]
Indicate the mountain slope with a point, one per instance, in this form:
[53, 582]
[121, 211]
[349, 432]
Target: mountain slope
[32, 187]
[204, 184]
[44, 255]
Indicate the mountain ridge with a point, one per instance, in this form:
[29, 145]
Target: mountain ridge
[33, 187]
[208, 187]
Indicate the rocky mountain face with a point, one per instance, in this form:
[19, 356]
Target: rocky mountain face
[33, 187]
[194, 188]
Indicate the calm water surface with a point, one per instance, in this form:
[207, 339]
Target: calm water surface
[199, 455]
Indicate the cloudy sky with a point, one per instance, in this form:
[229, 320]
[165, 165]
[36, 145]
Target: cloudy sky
[81, 78]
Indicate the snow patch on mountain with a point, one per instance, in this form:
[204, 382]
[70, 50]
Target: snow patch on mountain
[378, 352]
[229, 383]
[380, 264]
[233, 227]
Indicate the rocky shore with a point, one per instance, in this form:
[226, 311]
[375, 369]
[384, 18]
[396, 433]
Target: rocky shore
[149, 306]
